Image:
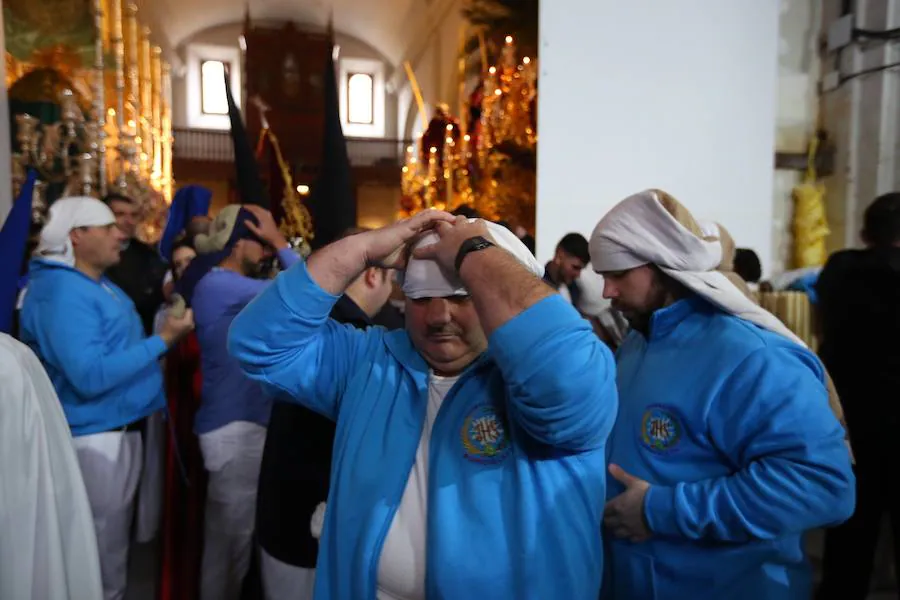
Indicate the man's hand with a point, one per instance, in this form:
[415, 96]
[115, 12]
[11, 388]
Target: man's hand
[452, 236]
[624, 514]
[267, 230]
[336, 265]
[387, 247]
[176, 326]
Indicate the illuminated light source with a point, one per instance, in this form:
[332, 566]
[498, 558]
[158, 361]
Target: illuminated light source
[526, 60]
[492, 70]
[509, 39]
[302, 189]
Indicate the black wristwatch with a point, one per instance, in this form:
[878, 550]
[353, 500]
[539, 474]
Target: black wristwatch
[473, 244]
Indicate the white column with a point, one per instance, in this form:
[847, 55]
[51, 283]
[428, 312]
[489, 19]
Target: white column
[654, 93]
[5, 152]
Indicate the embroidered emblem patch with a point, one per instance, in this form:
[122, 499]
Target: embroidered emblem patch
[484, 436]
[661, 429]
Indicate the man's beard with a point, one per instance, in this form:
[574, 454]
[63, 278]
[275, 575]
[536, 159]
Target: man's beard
[639, 318]
[256, 269]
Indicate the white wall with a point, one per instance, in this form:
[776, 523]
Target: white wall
[655, 93]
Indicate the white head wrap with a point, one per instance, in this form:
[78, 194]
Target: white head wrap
[708, 228]
[653, 228]
[640, 230]
[65, 215]
[426, 279]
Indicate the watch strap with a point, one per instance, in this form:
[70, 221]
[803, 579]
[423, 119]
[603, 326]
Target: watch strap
[473, 244]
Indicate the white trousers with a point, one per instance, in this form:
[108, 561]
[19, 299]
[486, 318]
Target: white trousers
[111, 468]
[282, 581]
[232, 455]
[149, 497]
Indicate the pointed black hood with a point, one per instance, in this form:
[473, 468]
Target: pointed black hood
[333, 199]
[249, 182]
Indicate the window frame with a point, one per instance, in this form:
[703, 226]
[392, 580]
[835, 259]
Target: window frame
[376, 69]
[203, 110]
[351, 75]
[195, 56]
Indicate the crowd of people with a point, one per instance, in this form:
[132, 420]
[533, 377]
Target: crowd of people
[425, 410]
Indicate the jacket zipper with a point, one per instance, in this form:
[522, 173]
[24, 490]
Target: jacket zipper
[379, 544]
[451, 393]
[382, 535]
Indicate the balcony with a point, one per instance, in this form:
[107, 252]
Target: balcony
[215, 146]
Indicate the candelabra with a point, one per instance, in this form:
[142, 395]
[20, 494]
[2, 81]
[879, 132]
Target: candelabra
[114, 127]
[485, 159]
[65, 152]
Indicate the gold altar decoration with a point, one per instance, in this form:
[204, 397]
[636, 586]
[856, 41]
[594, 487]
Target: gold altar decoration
[810, 223]
[486, 158]
[794, 310]
[103, 92]
[297, 224]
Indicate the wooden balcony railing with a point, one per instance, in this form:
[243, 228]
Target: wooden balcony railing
[215, 146]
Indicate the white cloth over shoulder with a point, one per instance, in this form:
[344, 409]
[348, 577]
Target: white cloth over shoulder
[426, 279]
[65, 215]
[48, 546]
[640, 230]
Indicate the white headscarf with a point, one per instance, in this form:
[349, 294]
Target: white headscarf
[65, 215]
[640, 230]
[426, 279]
[651, 227]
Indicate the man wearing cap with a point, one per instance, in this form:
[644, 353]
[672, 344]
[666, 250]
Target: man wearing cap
[234, 410]
[88, 335]
[469, 452]
[728, 447]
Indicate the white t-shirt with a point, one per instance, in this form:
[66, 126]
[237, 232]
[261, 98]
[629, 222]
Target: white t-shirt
[401, 569]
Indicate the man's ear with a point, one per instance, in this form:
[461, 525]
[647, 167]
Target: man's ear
[370, 277]
[75, 236]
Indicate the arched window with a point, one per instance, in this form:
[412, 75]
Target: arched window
[212, 88]
[360, 98]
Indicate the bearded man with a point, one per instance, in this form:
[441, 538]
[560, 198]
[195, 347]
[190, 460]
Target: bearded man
[727, 448]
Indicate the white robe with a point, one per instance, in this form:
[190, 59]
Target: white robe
[48, 547]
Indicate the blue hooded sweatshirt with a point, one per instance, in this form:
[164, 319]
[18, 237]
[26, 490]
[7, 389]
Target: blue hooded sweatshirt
[730, 425]
[90, 339]
[512, 515]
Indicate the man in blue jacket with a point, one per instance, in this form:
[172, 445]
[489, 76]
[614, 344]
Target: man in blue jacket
[727, 447]
[90, 339]
[469, 452]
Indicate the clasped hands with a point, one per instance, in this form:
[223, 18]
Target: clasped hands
[389, 247]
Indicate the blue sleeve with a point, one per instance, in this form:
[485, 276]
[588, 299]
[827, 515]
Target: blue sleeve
[288, 258]
[285, 340]
[74, 338]
[792, 469]
[560, 377]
